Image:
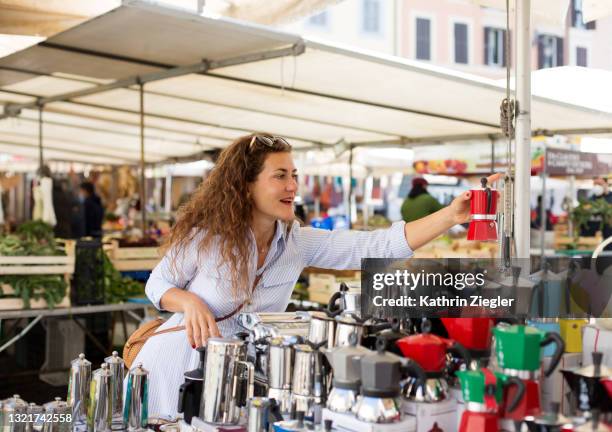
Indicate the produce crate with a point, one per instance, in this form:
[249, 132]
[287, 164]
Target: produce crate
[581, 243]
[36, 265]
[132, 258]
[321, 286]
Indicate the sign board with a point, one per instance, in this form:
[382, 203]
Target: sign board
[568, 162]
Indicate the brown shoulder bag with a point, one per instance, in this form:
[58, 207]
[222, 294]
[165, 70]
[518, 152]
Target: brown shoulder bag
[137, 339]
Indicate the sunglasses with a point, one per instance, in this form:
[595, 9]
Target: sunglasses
[268, 141]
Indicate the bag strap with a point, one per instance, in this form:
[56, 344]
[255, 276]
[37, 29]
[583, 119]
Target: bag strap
[223, 318]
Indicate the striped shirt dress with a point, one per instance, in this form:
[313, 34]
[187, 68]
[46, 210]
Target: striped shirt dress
[169, 355]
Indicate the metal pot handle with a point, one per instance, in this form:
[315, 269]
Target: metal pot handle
[244, 383]
[556, 357]
[332, 310]
[520, 386]
[183, 389]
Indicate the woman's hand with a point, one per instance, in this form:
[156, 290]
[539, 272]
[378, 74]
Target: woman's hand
[199, 321]
[460, 207]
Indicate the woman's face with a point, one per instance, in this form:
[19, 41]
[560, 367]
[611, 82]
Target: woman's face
[274, 189]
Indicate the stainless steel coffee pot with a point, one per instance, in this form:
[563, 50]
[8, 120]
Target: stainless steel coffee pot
[262, 414]
[78, 389]
[100, 413]
[322, 329]
[308, 384]
[63, 413]
[280, 372]
[14, 410]
[228, 381]
[136, 409]
[345, 301]
[116, 366]
[345, 327]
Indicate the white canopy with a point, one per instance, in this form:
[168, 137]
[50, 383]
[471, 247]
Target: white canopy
[316, 98]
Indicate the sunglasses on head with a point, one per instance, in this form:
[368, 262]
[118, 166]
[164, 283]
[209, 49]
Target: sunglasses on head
[267, 140]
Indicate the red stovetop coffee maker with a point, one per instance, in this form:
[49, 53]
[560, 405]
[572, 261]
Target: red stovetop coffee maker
[483, 208]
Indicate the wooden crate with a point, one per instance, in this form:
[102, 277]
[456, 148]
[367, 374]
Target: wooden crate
[582, 243]
[321, 286]
[36, 265]
[132, 258]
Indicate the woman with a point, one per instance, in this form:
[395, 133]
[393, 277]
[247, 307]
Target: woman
[419, 203]
[237, 231]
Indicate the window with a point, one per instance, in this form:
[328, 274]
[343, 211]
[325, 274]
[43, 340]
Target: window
[578, 18]
[494, 46]
[319, 20]
[581, 56]
[550, 51]
[423, 39]
[371, 16]
[461, 43]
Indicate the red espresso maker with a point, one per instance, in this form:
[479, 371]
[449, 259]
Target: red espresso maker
[475, 334]
[483, 208]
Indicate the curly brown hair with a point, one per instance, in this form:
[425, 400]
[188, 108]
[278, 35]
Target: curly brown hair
[221, 208]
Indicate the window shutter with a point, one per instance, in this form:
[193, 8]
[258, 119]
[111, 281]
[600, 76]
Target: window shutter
[461, 48]
[540, 51]
[560, 61]
[486, 59]
[423, 36]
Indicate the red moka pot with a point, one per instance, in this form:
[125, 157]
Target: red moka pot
[483, 208]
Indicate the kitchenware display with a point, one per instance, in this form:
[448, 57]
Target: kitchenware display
[116, 366]
[190, 392]
[549, 421]
[262, 325]
[100, 415]
[483, 209]
[519, 353]
[228, 382]
[381, 374]
[475, 334]
[262, 414]
[483, 392]
[346, 376]
[588, 391]
[136, 409]
[13, 409]
[63, 414]
[430, 352]
[78, 389]
[280, 372]
[345, 301]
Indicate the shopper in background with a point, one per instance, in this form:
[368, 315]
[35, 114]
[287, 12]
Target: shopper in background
[419, 203]
[536, 220]
[93, 212]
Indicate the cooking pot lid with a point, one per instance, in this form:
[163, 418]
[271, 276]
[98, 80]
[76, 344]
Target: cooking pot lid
[114, 358]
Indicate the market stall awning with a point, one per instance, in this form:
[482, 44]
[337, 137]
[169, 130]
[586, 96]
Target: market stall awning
[251, 79]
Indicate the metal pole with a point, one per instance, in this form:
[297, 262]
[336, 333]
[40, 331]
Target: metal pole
[143, 188]
[543, 218]
[492, 154]
[350, 195]
[523, 129]
[40, 139]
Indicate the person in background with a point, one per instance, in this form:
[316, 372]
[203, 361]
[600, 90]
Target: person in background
[93, 212]
[537, 216]
[419, 203]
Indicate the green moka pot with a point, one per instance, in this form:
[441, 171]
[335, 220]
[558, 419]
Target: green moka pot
[485, 387]
[519, 347]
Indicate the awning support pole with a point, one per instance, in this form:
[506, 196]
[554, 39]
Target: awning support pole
[523, 130]
[543, 218]
[40, 139]
[143, 187]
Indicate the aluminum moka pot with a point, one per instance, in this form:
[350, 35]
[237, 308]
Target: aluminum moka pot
[322, 329]
[62, 410]
[78, 389]
[13, 409]
[135, 412]
[100, 413]
[116, 366]
[228, 383]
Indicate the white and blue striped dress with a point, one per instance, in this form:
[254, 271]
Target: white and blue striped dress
[169, 355]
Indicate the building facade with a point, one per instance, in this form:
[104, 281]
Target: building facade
[459, 34]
